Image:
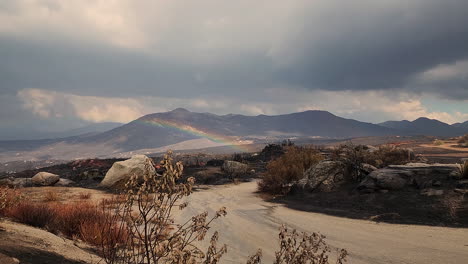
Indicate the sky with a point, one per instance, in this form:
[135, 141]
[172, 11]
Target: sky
[65, 64]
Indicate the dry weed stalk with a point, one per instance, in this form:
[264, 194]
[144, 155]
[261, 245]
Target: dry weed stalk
[147, 217]
[463, 170]
[301, 248]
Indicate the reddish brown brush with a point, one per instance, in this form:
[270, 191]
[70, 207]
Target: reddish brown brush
[33, 214]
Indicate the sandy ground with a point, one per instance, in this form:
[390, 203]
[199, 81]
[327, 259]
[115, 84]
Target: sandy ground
[446, 146]
[252, 223]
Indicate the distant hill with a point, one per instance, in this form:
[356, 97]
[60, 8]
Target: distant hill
[463, 125]
[182, 129]
[160, 129]
[425, 126]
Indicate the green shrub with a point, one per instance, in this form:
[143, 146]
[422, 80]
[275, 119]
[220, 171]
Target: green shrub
[288, 168]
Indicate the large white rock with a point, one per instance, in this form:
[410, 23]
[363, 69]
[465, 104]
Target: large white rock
[45, 178]
[122, 171]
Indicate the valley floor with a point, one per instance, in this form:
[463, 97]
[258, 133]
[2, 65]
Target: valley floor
[253, 223]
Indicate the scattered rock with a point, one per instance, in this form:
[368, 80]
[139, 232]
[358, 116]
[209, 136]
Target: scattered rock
[455, 174]
[432, 192]
[121, 171]
[385, 217]
[234, 168]
[367, 168]
[436, 183]
[462, 191]
[45, 179]
[391, 179]
[65, 182]
[16, 182]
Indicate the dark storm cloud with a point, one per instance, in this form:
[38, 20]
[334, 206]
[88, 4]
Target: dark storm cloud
[330, 45]
[244, 51]
[104, 71]
[370, 48]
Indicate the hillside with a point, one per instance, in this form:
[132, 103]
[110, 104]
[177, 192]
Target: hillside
[425, 126]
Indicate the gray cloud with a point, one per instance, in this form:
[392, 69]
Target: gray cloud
[237, 49]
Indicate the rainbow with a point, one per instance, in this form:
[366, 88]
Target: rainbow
[218, 138]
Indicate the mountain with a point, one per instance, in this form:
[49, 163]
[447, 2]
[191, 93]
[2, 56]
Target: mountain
[160, 129]
[424, 126]
[182, 129]
[463, 125]
[152, 132]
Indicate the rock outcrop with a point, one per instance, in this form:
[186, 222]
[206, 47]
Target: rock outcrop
[16, 182]
[396, 177]
[121, 171]
[325, 176]
[45, 179]
[65, 183]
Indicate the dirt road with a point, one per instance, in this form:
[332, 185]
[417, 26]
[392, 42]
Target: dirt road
[252, 223]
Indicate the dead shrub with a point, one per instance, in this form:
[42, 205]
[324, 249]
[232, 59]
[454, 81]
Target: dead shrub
[107, 233]
[153, 235]
[288, 168]
[463, 170]
[453, 203]
[33, 214]
[353, 157]
[51, 196]
[69, 217]
[390, 155]
[301, 248]
[8, 198]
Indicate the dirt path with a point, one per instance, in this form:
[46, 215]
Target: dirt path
[252, 223]
[446, 146]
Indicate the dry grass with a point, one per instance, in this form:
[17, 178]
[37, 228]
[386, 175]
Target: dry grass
[51, 196]
[288, 168]
[84, 196]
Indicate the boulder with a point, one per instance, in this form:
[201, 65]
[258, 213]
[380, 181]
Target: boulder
[64, 183]
[45, 179]
[367, 168]
[122, 171]
[325, 176]
[396, 177]
[432, 192]
[234, 168]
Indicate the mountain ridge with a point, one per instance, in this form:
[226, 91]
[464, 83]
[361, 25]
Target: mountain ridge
[158, 130]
